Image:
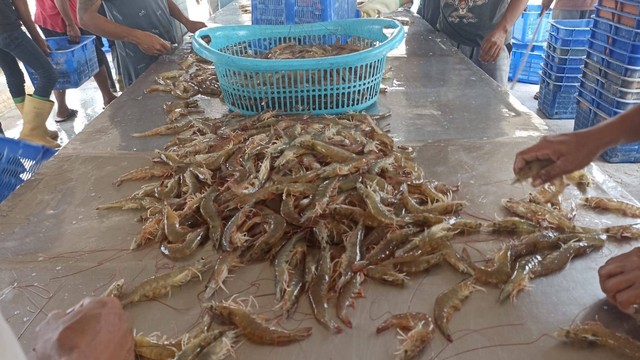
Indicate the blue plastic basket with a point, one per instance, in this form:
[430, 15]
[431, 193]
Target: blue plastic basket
[618, 30]
[623, 57]
[564, 60]
[74, 63]
[331, 85]
[618, 17]
[568, 42]
[525, 26]
[557, 101]
[583, 117]
[537, 48]
[289, 12]
[615, 42]
[530, 72]
[19, 160]
[566, 51]
[571, 29]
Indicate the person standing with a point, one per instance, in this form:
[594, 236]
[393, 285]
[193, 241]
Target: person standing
[16, 45]
[142, 30]
[480, 29]
[58, 18]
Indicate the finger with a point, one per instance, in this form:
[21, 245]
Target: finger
[609, 270]
[165, 47]
[556, 169]
[627, 298]
[617, 284]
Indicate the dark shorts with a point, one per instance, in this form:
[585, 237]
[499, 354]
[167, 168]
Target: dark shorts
[102, 57]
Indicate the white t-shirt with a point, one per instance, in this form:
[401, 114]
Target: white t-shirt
[9, 347]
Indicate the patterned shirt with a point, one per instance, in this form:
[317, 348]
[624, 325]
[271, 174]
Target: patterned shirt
[467, 22]
[148, 15]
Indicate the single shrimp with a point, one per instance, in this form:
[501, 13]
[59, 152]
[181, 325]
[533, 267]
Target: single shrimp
[144, 173]
[631, 231]
[386, 274]
[281, 262]
[193, 348]
[386, 248]
[296, 279]
[114, 290]
[580, 179]
[221, 348]
[592, 332]
[450, 301]
[254, 329]
[318, 291]
[210, 213]
[172, 228]
[512, 225]
[520, 278]
[186, 248]
[376, 208]
[620, 207]
[559, 259]
[497, 275]
[158, 88]
[348, 291]
[421, 330]
[154, 350]
[414, 263]
[351, 254]
[176, 114]
[174, 105]
[225, 264]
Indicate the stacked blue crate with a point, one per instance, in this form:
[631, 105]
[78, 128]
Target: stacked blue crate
[610, 82]
[523, 31]
[560, 74]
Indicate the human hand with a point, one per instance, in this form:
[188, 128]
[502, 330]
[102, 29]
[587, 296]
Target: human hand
[152, 44]
[375, 8]
[546, 5]
[193, 26]
[569, 152]
[620, 280]
[492, 45]
[43, 45]
[73, 33]
[95, 329]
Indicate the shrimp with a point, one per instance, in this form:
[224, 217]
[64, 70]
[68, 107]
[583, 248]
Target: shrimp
[351, 254]
[114, 290]
[190, 244]
[194, 347]
[631, 231]
[254, 329]
[497, 275]
[543, 215]
[456, 261]
[375, 208]
[158, 88]
[386, 274]
[450, 301]
[186, 104]
[414, 263]
[580, 180]
[530, 169]
[559, 259]
[281, 262]
[592, 332]
[386, 248]
[172, 228]
[520, 278]
[318, 292]
[226, 263]
[512, 225]
[347, 292]
[144, 173]
[176, 114]
[154, 350]
[296, 278]
[210, 213]
[620, 207]
[220, 348]
[160, 285]
[421, 330]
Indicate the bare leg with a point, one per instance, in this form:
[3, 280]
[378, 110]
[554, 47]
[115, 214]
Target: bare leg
[102, 80]
[61, 99]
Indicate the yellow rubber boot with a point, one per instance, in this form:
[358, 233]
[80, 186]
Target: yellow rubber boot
[35, 114]
[52, 134]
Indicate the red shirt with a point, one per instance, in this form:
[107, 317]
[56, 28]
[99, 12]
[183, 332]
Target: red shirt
[48, 16]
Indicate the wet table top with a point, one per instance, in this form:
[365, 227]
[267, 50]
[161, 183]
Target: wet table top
[56, 248]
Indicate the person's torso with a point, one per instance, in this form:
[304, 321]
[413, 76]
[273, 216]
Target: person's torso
[467, 22]
[9, 20]
[48, 16]
[148, 15]
[574, 4]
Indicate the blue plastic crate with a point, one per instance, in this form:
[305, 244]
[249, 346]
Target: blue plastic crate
[565, 51]
[74, 63]
[615, 42]
[525, 26]
[623, 57]
[627, 153]
[571, 29]
[618, 17]
[569, 42]
[622, 75]
[537, 48]
[583, 117]
[598, 104]
[573, 79]
[19, 160]
[590, 76]
[563, 69]
[289, 12]
[588, 86]
[564, 60]
[615, 102]
[530, 72]
[352, 81]
[557, 101]
[618, 30]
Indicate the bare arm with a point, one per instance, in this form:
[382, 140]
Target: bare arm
[72, 30]
[493, 43]
[91, 20]
[22, 8]
[176, 13]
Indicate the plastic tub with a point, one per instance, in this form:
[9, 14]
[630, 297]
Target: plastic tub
[331, 85]
[615, 42]
[562, 69]
[530, 72]
[624, 57]
[618, 30]
[526, 24]
[607, 63]
[74, 63]
[589, 87]
[19, 160]
[565, 51]
[629, 7]
[615, 102]
[564, 60]
[537, 48]
[557, 101]
[605, 13]
[573, 79]
[618, 17]
[583, 116]
[569, 42]
[571, 29]
[590, 76]
[289, 12]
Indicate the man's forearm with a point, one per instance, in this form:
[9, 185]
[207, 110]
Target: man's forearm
[22, 8]
[513, 12]
[176, 13]
[91, 20]
[65, 11]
